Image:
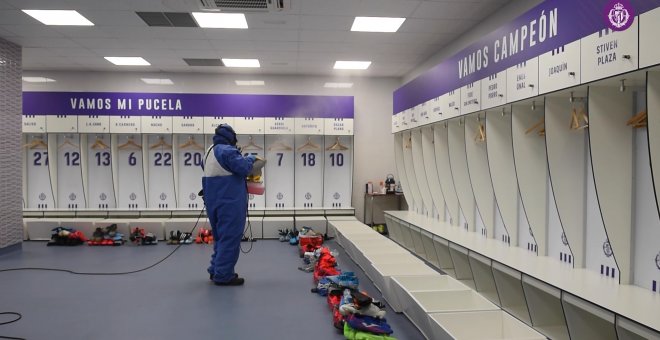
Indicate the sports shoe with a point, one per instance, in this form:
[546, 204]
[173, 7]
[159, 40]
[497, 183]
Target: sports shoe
[235, 281]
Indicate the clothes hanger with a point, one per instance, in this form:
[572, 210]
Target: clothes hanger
[309, 145]
[67, 141]
[99, 144]
[481, 133]
[191, 143]
[161, 144]
[639, 120]
[280, 146]
[577, 117]
[540, 126]
[338, 146]
[130, 143]
[36, 143]
[251, 145]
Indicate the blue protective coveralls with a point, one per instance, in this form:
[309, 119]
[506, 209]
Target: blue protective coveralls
[225, 196]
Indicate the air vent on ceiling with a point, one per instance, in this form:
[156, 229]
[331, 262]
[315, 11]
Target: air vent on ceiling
[203, 62]
[246, 5]
[168, 19]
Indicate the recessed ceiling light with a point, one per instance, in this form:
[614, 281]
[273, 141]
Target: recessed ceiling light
[351, 65]
[250, 82]
[220, 20]
[38, 80]
[241, 62]
[338, 85]
[157, 81]
[377, 24]
[128, 61]
[59, 17]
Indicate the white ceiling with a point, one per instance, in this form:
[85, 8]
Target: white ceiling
[305, 40]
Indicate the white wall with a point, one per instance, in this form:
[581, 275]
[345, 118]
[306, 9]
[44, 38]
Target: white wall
[507, 13]
[374, 143]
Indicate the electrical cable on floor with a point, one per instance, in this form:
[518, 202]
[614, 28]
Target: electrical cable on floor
[18, 317]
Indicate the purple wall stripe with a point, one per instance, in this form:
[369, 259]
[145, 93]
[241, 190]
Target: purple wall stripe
[186, 104]
[575, 20]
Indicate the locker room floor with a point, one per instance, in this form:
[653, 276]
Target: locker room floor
[174, 300]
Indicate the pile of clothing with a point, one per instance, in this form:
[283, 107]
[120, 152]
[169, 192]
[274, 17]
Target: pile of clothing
[309, 240]
[204, 236]
[180, 238]
[63, 236]
[140, 237]
[108, 236]
[359, 316]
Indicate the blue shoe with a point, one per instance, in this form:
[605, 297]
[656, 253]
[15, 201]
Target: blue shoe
[293, 241]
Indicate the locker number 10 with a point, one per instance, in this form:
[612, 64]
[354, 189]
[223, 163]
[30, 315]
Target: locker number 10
[337, 159]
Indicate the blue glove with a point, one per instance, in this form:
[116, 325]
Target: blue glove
[251, 158]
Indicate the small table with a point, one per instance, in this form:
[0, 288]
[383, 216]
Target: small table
[369, 197]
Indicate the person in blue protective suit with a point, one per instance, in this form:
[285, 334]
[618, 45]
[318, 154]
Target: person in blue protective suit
[226, 199]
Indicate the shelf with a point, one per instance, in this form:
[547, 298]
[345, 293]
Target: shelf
[429, 248]
[637, 304]
[364, 256]
[444, 256]
[492, 325]
[510, 289]
[483, 277]
[459, 256]
[587, 321]
[402, 285]
[418, 245]
[427, 302]
[629, 330]
[545, 309]
[381, 274]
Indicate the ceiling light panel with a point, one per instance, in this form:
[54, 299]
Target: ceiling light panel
[128, 61]
[377, 24]
[38, 80]
[351, 65]
[250, 82]
[157, 81]
[338, 85]
[59, 17]
[220, 20]
[252, 63]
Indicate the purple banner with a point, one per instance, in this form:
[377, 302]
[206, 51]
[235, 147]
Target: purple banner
[550, 25]
[185, 104]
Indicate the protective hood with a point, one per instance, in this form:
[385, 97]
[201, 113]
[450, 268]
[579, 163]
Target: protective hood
[224, 134]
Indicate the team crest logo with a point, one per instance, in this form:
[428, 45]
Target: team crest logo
[103, 196]
[42, 196]
[133, 196]
[336, 196]
[607, 249]
[162, 196]
[308, 196]
[192, 196]
[619, 15]
[280, 196]
[564, 240]
[72, 197]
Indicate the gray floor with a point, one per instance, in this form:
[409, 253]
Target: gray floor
[171, 301]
